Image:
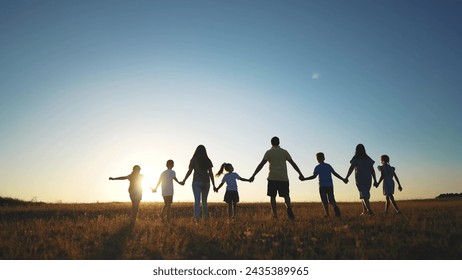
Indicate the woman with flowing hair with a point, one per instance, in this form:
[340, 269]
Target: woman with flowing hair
[202, 166]
[363, 166]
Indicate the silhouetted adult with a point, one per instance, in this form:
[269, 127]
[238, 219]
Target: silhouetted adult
[364, 172]
[278, 180]
[135, 189]
[202, 167]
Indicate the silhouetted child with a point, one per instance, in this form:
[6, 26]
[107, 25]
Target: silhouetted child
[231, 195]
[135, 189]
[326, 185]
[387, 173]
[166, 179]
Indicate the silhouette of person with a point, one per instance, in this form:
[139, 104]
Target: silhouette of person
[364, 172]
[135, 189]
[202, 166]
[278, 180]
[387, 172]
[166, 180]
[231, 194]
[326, 185]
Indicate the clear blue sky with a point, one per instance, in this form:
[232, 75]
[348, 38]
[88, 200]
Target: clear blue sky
[90, 88]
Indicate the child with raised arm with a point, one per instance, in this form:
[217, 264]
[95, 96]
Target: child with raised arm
[326, 185]
[387, 172]
[166, 179]
[135, 189]
[231, 195]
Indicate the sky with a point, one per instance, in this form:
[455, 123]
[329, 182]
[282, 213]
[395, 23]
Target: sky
[88, 89]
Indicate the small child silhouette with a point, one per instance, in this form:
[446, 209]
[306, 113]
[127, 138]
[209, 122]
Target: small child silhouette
[231, 195]
[387, 172]
[326, 186]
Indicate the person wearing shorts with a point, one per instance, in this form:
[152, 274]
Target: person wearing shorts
[166, 181]
[278, 180]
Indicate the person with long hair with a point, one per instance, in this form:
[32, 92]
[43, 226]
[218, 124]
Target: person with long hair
[202, 166]
[135, 189]
[363, 166]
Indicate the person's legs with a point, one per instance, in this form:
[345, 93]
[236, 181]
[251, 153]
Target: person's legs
[324, 201]
[387, 204]
[274, 206]
[272, 192]
[393, 202]
[162, 212]
[368, 206]
[169, 207]
[365, 195]
[135, 206]
[197, 201]
[283, 190]
[331, 197]
[234, 210]
[290, 213]
[230, 210]
[205, 194]
[364, 207]
[135, 197]
[332, 201]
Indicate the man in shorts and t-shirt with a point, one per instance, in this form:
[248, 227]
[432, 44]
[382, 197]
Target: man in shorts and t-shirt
[278, 180]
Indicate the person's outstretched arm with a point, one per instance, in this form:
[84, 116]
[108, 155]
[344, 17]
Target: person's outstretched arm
[219, 187]
[176, 180]
[157, 185]
[308, 178]
[373, 174]
[243, 179]
[294, 165]
[259, 167]
[212, 178]
[350, 170]
[187, 175]
[380, 181]
[338, 176]
[119, 178]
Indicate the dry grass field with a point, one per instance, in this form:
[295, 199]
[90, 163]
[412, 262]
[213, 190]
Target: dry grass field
[427, 229]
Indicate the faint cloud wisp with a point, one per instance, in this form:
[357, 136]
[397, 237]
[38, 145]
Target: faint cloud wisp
[315, 76]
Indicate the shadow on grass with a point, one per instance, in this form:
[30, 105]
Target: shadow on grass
[114, 246]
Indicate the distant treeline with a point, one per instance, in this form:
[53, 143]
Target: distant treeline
[450, 195]
[8, 201]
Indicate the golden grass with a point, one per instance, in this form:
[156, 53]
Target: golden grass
[427, 229]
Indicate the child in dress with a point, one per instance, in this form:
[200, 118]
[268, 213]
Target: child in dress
[387, 173]
[363, 166]
[135, 189]
[166, 179]
[231, 195]
[326, 186]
